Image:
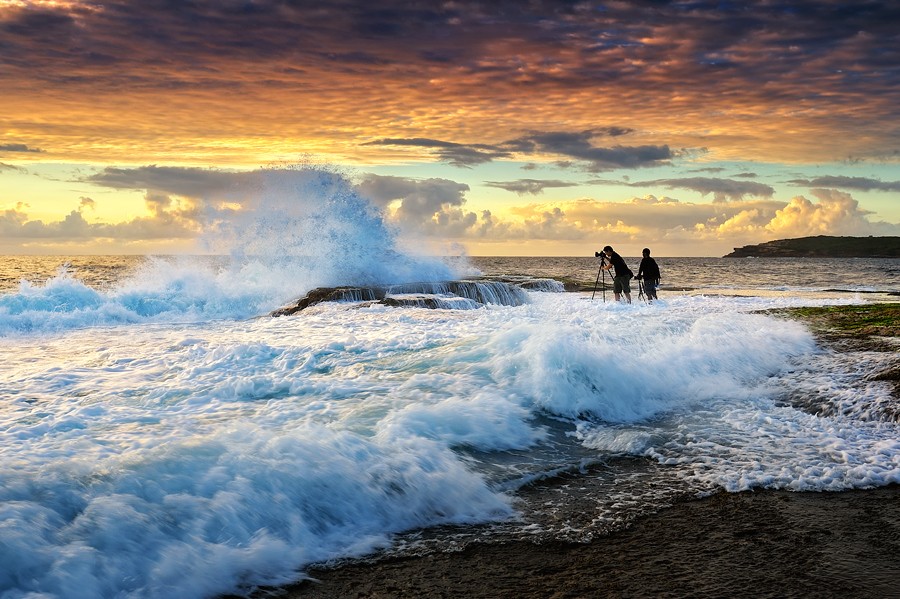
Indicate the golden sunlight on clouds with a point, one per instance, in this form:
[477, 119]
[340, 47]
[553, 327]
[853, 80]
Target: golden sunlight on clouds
[801, 217]
[717, 116]
[53, 4]
[157, 107]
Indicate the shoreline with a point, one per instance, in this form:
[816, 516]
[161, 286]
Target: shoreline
[760, 543]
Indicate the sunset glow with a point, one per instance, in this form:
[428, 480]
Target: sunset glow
[515, 128]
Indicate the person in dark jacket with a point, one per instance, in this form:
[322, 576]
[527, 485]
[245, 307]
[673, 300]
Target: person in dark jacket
[622, 278]
[649, 272]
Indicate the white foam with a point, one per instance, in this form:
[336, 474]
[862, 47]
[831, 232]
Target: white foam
[188, 459]
[242, 505]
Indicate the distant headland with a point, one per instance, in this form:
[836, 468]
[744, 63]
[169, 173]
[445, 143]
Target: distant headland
[822, 246]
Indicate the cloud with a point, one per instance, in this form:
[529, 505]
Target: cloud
[184, 181]
[836, 213]
[661, 220]
[529, 186]
[169, 218]
[858, 183]
[722, 189]
[15, 225]
[18, 148]
[420, 205]
[468, 156]
[452, 153]
[186, 205]
[12, 219]
[266, 71]
[574, 145]
[578, 145]
[652, 199]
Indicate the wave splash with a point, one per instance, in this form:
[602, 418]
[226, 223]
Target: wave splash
[289, 231]
[314, 228]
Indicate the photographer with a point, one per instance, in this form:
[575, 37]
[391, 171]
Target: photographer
[649, 271]
[622, 278]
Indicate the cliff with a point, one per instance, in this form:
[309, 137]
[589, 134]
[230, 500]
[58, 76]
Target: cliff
[822, 246]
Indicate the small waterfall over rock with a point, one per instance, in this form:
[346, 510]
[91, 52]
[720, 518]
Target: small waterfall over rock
[446, 295]
[484, 292]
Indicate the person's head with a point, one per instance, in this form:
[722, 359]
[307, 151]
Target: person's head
[646, 252]
[608, 250]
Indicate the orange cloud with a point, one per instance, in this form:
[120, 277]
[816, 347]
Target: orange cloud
[211, 82]
[836, 213]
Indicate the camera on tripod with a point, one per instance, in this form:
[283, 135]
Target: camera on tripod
[600, 255]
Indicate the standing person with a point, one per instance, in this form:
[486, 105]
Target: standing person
[622, 279]
[649, 271]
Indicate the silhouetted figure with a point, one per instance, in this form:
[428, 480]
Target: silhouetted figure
[649, 272]
[622, 278]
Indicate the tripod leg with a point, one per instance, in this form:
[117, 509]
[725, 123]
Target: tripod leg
[595, 283]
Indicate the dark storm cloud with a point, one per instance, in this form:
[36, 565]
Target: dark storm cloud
[528, 186]
[857, 183]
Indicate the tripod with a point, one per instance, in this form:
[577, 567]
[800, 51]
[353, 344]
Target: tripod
[601, 270]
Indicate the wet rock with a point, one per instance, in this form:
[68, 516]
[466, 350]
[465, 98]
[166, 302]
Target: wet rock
[332, 294]
[449, 295]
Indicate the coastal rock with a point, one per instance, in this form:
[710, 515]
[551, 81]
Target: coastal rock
[822, 246]
[459, 295]
[331, 294]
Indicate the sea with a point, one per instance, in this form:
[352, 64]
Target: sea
[163, 436]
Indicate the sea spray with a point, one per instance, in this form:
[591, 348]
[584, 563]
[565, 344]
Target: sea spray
[279, 234]
[313, 228]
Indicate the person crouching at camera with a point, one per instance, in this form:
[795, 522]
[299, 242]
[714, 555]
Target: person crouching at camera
[622, 278]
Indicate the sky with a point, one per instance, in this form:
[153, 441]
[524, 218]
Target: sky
[518, 128]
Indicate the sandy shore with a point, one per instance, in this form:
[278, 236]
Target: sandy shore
[753, 544]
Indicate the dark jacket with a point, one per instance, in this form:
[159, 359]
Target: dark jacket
[649, 269]
[618, 263]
